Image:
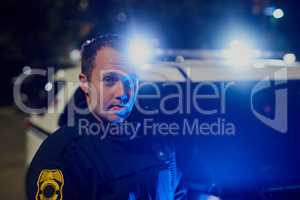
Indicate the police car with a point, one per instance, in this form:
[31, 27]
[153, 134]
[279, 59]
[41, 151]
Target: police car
[248, 112]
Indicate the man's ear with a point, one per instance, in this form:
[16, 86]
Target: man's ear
[83, 83]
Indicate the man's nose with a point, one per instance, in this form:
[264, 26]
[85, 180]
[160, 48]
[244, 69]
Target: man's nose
[121, 93]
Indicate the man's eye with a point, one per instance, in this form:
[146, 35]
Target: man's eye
[110, 80]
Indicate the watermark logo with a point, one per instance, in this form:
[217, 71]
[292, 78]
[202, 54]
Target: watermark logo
[203, 104]
[280, 121]
[148, 127]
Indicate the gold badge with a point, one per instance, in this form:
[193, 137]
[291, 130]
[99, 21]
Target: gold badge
[49, 185]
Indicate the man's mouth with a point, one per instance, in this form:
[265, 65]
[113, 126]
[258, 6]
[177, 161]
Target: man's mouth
[116, 107]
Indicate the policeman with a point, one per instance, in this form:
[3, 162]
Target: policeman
[77, 162]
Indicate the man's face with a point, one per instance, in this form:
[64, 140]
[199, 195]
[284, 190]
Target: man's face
[112, 86]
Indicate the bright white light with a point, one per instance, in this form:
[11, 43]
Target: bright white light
[289, 58]
[278, 13]
[140, 51]
[75, 55]
[27, 70]
[145, 66]
[48, 86]
[239, 53]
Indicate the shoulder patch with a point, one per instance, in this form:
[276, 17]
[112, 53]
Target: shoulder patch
[50, 185]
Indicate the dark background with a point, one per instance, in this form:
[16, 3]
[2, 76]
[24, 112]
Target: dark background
[41, 34]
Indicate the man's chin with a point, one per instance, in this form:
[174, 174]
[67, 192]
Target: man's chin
[114, 118]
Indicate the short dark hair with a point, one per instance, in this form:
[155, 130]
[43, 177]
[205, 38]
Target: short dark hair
[90, 47]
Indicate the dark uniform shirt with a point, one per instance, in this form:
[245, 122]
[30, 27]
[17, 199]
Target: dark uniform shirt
[74, 165]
